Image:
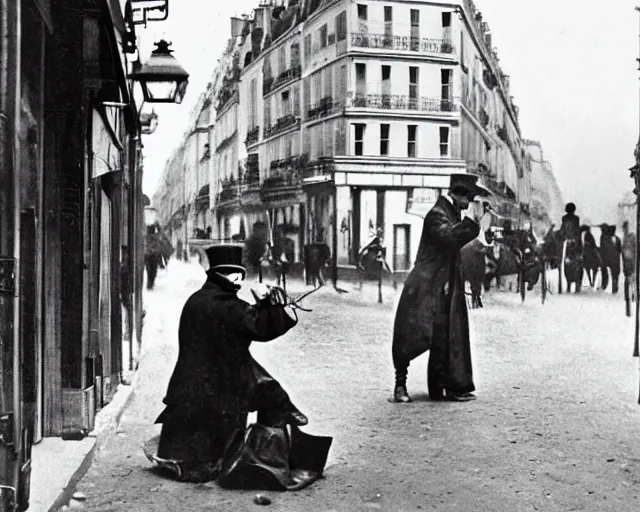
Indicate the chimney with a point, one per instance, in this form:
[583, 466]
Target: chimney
[487, 39]
[237, 25]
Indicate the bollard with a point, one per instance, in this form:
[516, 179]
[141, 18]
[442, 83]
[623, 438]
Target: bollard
[380, 283]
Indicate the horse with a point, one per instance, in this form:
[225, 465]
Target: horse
[572, 264]
[519, 255]
[474, 265]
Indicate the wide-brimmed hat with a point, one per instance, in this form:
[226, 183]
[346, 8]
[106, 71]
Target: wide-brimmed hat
[225, 258]
[469, 182]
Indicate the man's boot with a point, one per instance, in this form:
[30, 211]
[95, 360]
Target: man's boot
[400, 394]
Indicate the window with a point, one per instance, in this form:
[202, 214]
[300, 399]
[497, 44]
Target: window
[361, 82]
[444, 141]
[328, 82]
[306, 91]
[295, 55]
[362, 12]
[253, 105]
[362, 18]
[388, 27]
[267, 111]
[446, 19]
[296, 101]
[341, 26]
[307, 47]
[415, 30]
[384, 139]
[328, 138]
[286, 106]
[412, 130]
[359, 138]
[282, 61]
[386, 86]
[323, 36]
[413, 87]
[445, 79]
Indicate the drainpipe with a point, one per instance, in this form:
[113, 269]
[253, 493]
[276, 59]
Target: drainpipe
[17, 207]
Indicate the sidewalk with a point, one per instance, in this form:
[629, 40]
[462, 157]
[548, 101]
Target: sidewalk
[57, 465]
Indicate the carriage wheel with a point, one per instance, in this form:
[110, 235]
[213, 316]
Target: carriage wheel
[522, 284]
[543, 284]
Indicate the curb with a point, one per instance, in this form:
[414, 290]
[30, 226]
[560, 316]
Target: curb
[100, 433]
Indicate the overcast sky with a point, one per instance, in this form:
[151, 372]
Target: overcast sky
[573, 75]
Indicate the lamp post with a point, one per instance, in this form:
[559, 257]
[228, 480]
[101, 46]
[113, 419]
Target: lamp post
[635, 174]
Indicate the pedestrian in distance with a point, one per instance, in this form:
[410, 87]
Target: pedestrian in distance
[216, 382]
[570, 228]
[432, 311]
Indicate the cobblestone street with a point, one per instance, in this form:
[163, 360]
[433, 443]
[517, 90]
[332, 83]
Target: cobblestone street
[555, 426]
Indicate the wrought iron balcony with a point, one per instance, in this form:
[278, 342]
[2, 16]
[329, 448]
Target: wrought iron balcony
[230, 191]
[404, 102]
[326, 106]
[252, 136]
[282, 124]
[288, 75]
[289, 177]
[401, 43]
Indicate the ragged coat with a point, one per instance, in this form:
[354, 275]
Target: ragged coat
[432, 303]
[214, 374]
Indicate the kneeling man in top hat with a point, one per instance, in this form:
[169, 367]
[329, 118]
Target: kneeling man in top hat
[432, 311]
[216, 382]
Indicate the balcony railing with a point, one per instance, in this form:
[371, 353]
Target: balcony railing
[404, 102]
[320, 167]
[289, 177]
[326, 106]
[282, 124]
[402, 43]
[252, 136]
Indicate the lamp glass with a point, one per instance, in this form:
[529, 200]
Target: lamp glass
[161, 90]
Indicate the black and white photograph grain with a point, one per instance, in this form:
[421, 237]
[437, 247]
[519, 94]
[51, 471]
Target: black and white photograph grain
[319, 256]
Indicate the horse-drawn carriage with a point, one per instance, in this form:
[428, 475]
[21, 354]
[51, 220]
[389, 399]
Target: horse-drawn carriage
[503, 254]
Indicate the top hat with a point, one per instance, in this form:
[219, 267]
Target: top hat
[470, 183]
[226, 258]
[570, 208]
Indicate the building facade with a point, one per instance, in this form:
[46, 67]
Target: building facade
[337, 120]
[71, 223]
[547, 204]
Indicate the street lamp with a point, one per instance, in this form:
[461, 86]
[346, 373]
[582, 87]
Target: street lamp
[162, 78]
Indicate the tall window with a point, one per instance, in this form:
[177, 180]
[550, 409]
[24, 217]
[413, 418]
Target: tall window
[328, 82]
[307, 47]
[316, 86]
[282, 61]
[384, 139]
[386, 86]
[444, 141]
[323, 36]
[388, 26]
[342, 83]
[413, 87]
[415, 29]
[359, 129]
[445, 79]
[361, 82]
[295, 55]
[341, 26]
[267, 111]
[286, 104]
[412, 131]
[296, 100]
[362, 18]
[253, 105]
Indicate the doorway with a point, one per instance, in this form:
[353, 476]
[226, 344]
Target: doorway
[401, 247]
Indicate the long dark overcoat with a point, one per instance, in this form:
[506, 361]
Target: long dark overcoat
[432, 303]
[214, 374]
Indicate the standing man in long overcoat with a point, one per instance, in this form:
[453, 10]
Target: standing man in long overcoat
[432, 312]
[216, 382]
